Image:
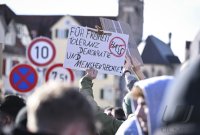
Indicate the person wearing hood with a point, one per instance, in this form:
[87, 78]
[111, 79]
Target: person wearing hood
[148, 93]
[180, 111]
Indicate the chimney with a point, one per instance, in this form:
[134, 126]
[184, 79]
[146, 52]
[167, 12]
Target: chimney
[170, 37]
[187, 50]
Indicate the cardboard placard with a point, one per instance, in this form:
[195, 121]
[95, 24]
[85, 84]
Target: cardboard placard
[122, 27]
[87, 48]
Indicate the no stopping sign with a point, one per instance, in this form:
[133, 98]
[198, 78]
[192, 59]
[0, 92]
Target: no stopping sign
[41, 51]
[23, 78]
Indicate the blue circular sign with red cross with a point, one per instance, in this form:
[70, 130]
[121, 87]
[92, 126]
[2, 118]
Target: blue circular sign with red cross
[23, 78]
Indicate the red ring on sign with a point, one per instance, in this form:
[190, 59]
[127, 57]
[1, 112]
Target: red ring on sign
[59, 65]
[44, 40]
[121, 45]
[11, 76]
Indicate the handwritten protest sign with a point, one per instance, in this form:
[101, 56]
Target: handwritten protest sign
[87, 48]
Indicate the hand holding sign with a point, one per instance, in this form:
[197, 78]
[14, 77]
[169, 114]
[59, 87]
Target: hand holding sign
[128, 63]
[91, 73]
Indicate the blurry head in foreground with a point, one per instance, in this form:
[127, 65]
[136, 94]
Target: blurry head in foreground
[56, 108]
[9, 108]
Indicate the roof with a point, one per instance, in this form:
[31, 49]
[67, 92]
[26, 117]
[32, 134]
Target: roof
[158, 52]
[7, 13]
[90, 21]
[42, 24]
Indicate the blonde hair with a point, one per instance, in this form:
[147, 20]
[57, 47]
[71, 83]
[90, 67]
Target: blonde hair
[137, 92]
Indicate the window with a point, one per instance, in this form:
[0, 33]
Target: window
[159, 73]
[146, 73]
[62, 33]
[15, 62]
[4, 66]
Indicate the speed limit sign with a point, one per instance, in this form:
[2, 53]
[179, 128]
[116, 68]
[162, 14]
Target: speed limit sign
[41, 51]
[59, 73]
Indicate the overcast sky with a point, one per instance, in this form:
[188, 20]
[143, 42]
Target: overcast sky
[181, 17]
[64, 7]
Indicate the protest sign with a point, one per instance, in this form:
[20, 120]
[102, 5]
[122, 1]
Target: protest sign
[87, 48]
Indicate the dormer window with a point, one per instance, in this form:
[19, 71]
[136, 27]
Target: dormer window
[62, 33]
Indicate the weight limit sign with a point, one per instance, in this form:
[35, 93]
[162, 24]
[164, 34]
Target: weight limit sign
[59, 73]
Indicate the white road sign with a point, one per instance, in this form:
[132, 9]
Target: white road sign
[59, 73]
[41, 51]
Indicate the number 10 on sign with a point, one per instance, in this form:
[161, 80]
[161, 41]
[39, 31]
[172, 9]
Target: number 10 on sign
[41, 51]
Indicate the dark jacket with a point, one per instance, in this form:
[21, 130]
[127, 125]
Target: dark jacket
[108, 124]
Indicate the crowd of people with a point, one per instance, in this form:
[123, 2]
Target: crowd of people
[161, 105]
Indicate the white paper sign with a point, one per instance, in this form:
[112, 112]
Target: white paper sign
[86, 48]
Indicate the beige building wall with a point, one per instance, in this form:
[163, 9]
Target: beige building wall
[59, 34]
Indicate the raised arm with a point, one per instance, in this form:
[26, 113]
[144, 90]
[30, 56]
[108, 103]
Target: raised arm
[109, 125]
[86, 85]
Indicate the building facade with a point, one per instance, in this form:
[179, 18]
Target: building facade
[195, 46]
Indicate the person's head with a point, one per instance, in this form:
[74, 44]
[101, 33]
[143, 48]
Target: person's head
[141, 110]
[148, 93]
[56, 108]
[9, 108]
[118, 113]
